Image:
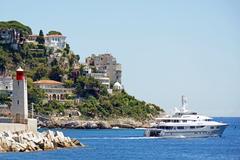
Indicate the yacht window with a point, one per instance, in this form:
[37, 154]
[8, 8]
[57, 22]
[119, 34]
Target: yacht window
[168, 127]
[212, 127]
[192, 127]
[176, 121]
[184, 121]
[166, 121]
[200, 126]
[217, 127]
[180, 127]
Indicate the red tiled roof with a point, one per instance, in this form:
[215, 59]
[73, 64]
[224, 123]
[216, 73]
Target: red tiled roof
[54, 35]
[46, 36]
[47, 82]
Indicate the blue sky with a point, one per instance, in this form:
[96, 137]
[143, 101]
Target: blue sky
[167, 48]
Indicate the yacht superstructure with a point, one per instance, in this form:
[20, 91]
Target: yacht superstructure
[185, 123]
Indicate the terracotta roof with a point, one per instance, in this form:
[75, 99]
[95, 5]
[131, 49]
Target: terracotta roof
[46, 36]
[47, 82]
[53, 35]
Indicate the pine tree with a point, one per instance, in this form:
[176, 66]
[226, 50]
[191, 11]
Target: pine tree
[40, 39]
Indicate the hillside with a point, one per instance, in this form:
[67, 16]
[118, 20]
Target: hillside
[41, 62]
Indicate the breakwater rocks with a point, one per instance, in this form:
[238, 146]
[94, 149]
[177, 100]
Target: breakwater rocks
[94, 124]
[28, 141]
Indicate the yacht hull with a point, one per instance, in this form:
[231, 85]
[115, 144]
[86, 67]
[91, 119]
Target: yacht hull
[196, 133]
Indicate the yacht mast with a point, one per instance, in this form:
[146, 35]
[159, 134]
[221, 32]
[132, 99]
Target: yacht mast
[184, 104]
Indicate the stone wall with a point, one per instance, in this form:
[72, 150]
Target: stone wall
[13, 127]
[31, 125]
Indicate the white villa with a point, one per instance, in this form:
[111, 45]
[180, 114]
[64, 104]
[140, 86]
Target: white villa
[56, 41]
[54, 89]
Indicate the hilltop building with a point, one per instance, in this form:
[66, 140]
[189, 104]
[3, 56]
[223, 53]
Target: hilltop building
[6, 83]
[54, 89]
[55, 40]
[12, 37]
[106, 63]
[102, 78]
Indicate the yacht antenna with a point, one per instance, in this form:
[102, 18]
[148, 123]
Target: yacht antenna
[184, 101]
[184, 104]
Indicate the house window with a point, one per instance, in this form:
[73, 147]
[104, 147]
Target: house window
[17, 101]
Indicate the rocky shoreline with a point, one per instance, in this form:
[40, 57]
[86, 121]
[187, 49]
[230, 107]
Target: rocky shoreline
[28, 141]
[93, 124]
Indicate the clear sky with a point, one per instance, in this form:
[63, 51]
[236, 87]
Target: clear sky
[167, 48]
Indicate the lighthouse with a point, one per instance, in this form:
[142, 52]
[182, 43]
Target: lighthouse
[19, 108]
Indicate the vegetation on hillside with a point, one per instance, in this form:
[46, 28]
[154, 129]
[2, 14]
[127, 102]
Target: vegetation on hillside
[41, 62]
[16, 25]
[118, 105]
[54, 33]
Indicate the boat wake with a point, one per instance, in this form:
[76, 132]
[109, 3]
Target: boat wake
[116, 138]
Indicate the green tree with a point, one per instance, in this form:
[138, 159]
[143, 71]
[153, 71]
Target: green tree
[69, 83]
[54, 33]
[40, 39]
[3, 63]
[35, 94]
[67, 48]
[25, 30]
[5, 98]
[56, 74]
[88, 86]
[40, 72]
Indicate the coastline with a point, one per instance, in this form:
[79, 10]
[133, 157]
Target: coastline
[60, 122]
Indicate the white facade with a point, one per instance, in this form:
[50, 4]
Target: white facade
[6, 83]
[57, 41]
[102, 78]
[106, 63]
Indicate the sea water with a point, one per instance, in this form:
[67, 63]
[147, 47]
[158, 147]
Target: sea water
[129, 144]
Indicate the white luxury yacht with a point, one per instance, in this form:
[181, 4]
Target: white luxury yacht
[185, 123]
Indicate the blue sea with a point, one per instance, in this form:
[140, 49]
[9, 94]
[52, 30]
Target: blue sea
[129, 144]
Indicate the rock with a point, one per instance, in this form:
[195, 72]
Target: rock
[71, 124]
[90, 125]
[77, 142]
[28, 141]
[104, 125]
[1, 149]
